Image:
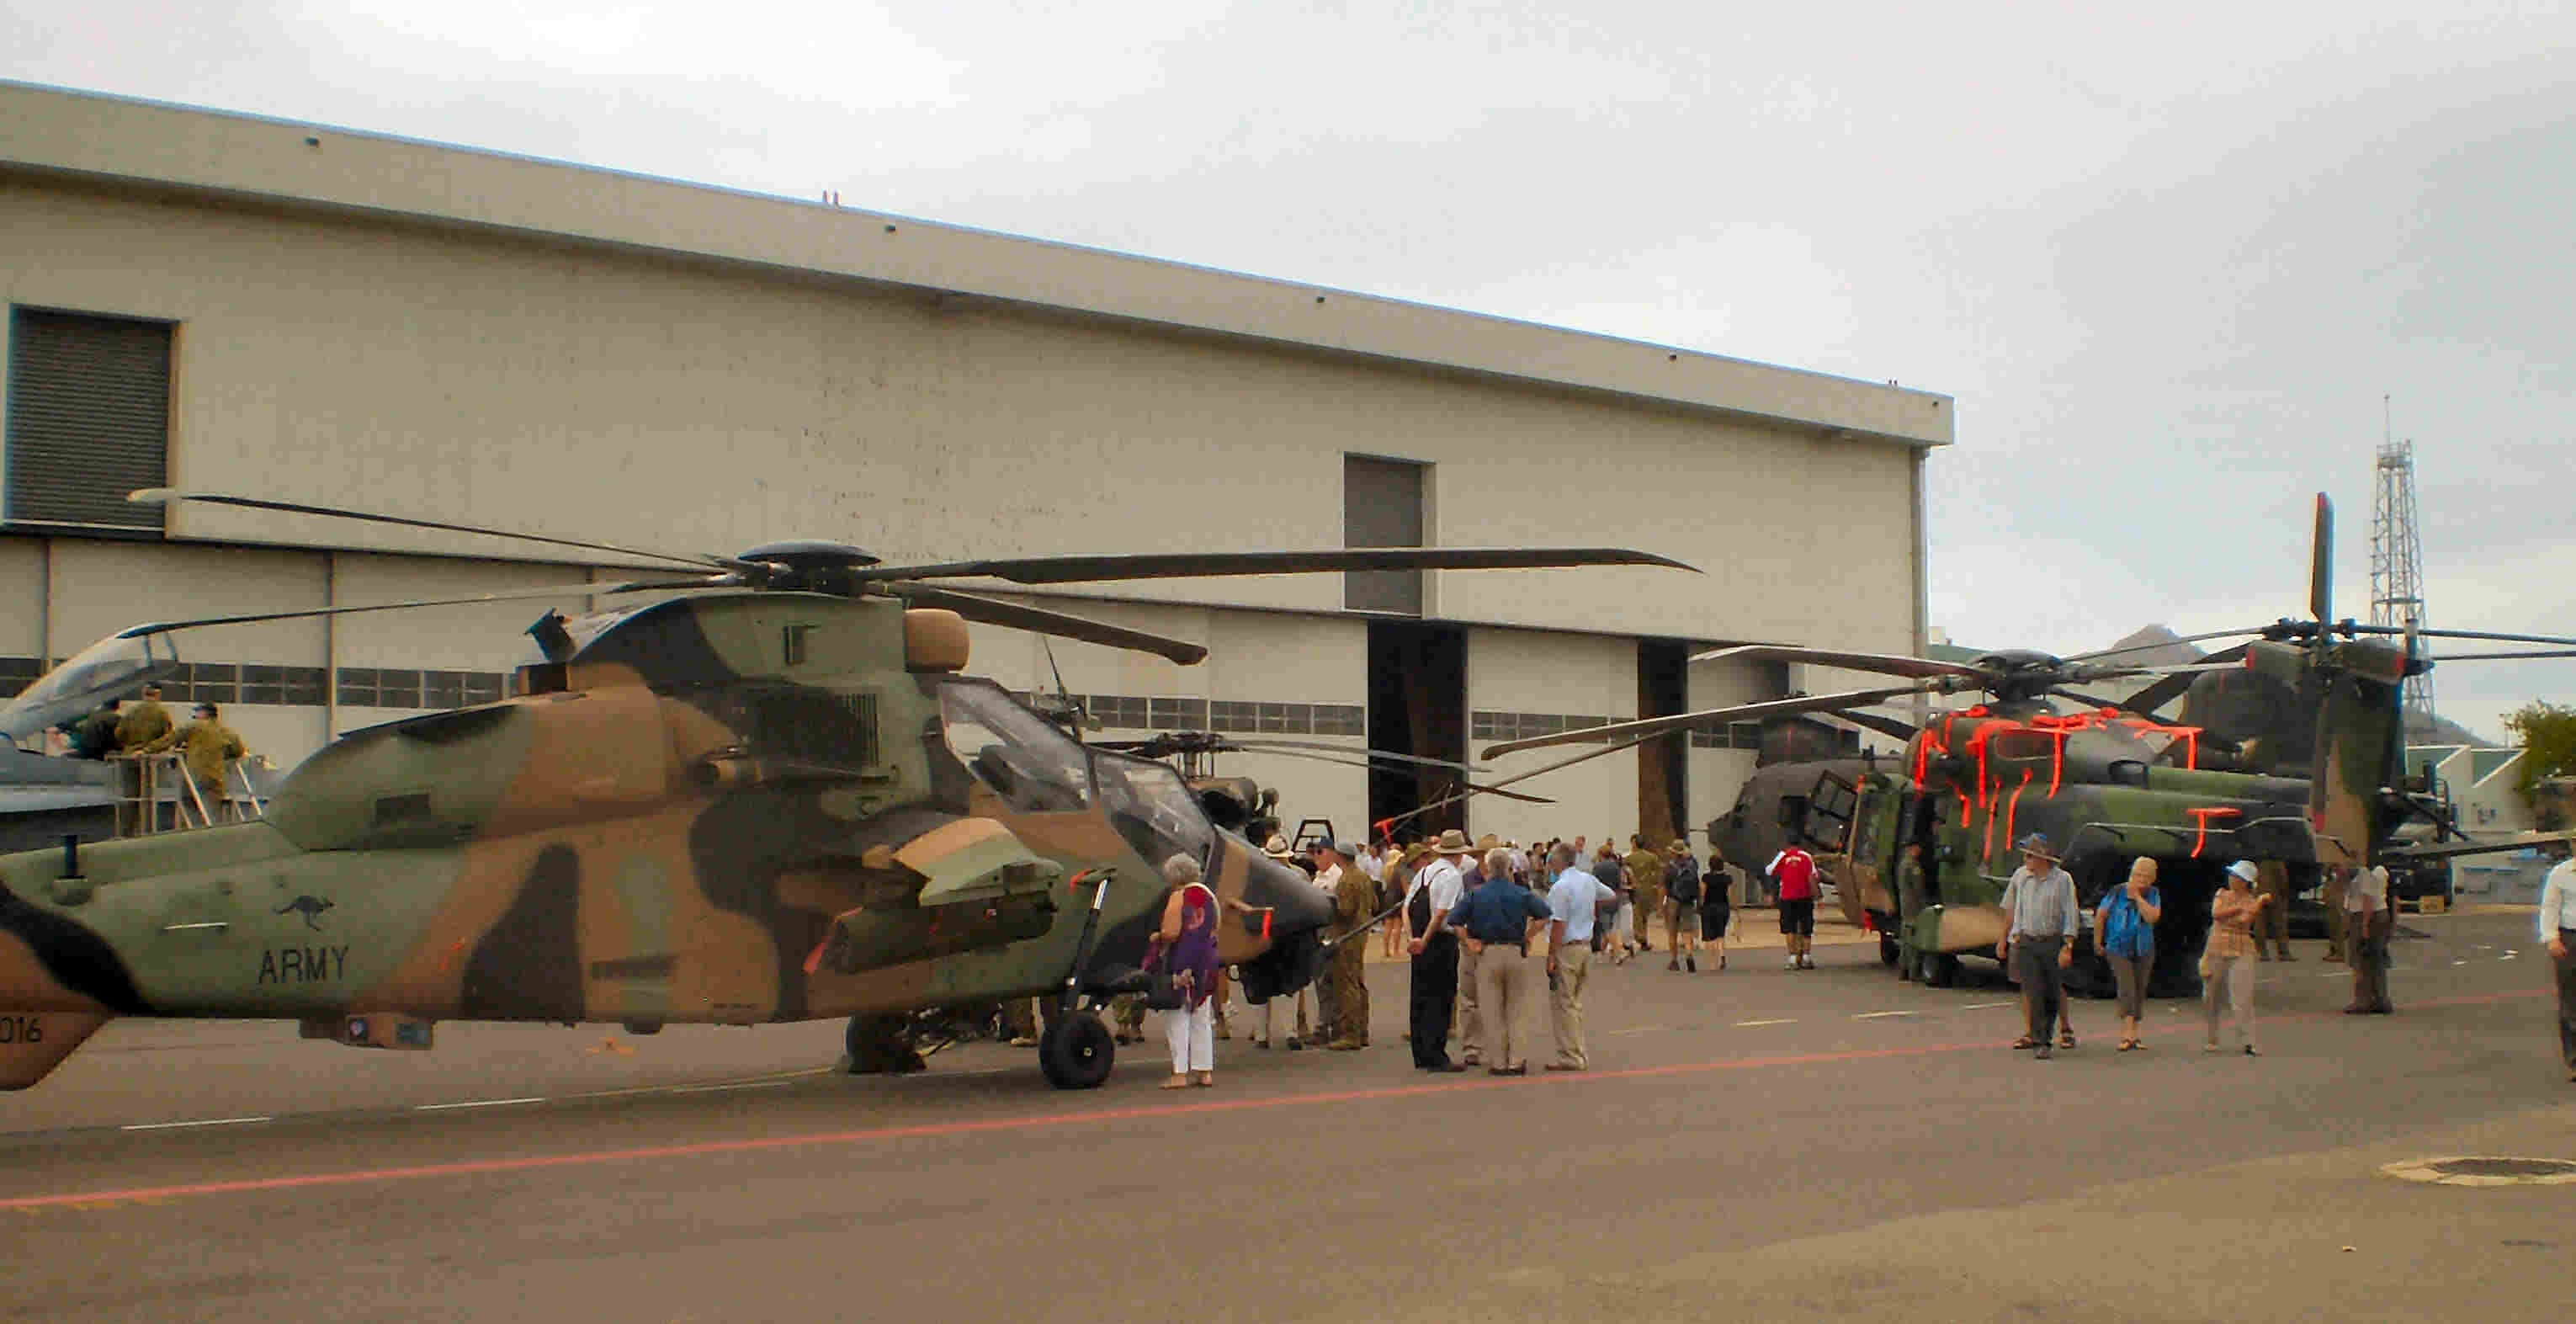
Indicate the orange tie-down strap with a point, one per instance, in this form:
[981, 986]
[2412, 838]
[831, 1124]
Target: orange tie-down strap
[2200, 820]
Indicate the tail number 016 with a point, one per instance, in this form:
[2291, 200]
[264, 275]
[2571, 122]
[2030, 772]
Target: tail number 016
[22, 1030]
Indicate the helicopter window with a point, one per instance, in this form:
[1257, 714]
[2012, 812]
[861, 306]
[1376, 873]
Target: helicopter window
[2128, 772]
[1153, 809]
[1829, 812]
[1033, 766]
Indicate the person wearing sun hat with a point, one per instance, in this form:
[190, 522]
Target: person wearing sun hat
[2227, 963]
[1267, 1016]
[1438, 887]
[2041, 921]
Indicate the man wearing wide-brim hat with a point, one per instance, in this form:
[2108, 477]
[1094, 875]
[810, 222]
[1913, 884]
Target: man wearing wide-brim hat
[1268, 1015]
[1437, 888]
[2040, 924]
[1469, 1028]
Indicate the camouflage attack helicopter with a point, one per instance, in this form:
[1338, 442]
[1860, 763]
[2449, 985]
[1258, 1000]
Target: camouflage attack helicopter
[775, 798]
[2307, 769]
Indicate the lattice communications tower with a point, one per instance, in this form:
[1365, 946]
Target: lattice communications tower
[2397, 560]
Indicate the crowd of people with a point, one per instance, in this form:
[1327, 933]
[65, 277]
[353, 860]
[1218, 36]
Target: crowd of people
[1486, 923]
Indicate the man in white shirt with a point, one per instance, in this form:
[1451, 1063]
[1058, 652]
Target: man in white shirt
[1574, 904]
[2558, 933]
[1437, 888]
[2367, 925]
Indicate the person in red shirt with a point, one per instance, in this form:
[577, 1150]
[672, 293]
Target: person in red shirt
[1793, 872]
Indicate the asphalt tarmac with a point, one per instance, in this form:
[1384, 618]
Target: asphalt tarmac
[1753, 1144]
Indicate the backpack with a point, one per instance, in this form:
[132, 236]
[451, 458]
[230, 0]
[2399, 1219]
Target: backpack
[1682, 881]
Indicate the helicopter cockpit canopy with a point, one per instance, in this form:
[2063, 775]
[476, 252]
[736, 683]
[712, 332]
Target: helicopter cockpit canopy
[1036, 768]
[112, 668]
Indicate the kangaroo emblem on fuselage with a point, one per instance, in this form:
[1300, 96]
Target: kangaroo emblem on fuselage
[310, 907]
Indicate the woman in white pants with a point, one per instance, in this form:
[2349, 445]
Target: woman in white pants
[2227, 964]
[1186, 947]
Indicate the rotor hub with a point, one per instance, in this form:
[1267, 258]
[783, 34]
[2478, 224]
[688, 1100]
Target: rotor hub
[804, 555]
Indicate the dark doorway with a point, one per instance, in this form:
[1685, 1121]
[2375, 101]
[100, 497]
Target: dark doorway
[1663, 766]
[1417, 705]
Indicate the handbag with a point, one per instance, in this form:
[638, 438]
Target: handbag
[1163, 992]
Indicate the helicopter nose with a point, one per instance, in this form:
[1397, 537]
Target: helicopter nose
[1295, 904]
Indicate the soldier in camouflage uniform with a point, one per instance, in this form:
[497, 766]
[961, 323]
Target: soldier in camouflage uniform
[2272, 922]
[1354, 899]
[1645, 868]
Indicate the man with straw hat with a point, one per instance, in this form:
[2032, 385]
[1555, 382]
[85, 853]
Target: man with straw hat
[1437, 888]
[2041, 921]
[1265, 1029]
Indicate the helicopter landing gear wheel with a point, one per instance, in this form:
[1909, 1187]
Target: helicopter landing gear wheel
[1887, 949]
[1940, 969]
[877, 1045]
[1076, 1051]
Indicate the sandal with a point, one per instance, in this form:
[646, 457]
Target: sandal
[2128, 1045]
[1177, 1083]
[2066, 1040]
[2025, 1042]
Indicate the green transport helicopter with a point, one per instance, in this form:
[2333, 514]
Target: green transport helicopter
[773, 796]
[2289, 749]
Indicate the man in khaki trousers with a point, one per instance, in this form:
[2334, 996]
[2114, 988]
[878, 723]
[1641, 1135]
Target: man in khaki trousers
[1574, 904]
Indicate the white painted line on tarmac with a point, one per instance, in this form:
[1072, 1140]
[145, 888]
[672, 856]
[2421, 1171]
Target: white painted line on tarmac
[1981, 1006]
[211, 1121]
[471, 1103]
[2460, 962]
[1876, 1015]
[1642, 1029]
[730, 1085]
[1785, 1021]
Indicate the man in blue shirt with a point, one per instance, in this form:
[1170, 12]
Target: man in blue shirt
[1574, 907]
[1498, 917]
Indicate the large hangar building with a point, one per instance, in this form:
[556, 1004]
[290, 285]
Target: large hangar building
[215, 301]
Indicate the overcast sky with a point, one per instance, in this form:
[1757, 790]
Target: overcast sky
[2169, 260]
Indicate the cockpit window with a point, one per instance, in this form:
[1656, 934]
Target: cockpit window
[1034, 767]
[1153, 809]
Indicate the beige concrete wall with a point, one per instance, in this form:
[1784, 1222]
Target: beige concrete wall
[324, 169]
[1577, 675]
[640, 400]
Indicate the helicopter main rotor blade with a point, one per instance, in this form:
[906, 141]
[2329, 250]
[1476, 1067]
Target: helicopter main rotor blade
[2321, 562]
[1496, 789]
[1183, 565]
[1387, 754]
[994, 611]
[2167, 688]
[1656, 726]
[1364, 763]
[2500, 657]
[594, 589]
[2466, 634]
[2167, 643]
[163, 496]
[1888, 664]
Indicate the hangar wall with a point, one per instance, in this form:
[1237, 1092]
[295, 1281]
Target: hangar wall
[392, 325]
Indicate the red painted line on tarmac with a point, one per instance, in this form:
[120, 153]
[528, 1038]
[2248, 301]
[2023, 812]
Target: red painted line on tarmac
[936, 1129]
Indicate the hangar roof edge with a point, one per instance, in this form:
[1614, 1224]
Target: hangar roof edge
[108, 137]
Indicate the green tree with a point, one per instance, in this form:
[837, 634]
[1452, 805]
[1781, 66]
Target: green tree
[2548, 736]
